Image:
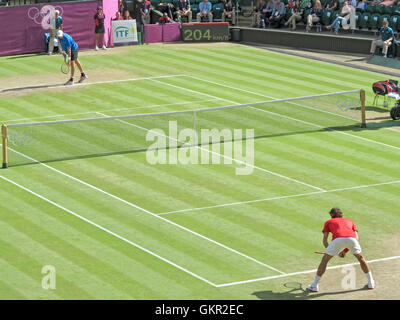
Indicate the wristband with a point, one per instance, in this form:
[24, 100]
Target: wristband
[346, 250]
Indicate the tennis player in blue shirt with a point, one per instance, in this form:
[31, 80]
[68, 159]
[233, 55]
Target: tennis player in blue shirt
[385, 39]
[70, 47]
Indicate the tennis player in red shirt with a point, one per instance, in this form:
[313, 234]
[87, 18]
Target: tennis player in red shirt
[344, 239]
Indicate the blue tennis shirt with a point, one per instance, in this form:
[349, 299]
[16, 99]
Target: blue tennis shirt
[386, 34]
[67, 42]
[205, 6]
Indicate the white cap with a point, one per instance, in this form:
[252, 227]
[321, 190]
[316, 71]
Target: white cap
[60, 33]
[57, 11]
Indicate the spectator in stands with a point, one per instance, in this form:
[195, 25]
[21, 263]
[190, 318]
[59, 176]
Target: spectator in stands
[145, 11]
[343, 15]
[121, 7]
[184, 10]
[56, 23]
[118, 16]
[256, 17]
[291, 4]
[384, 40]
[127, 15]
[229, 12]
[99, 30]
[165, 18]
[297, 13]
[277, 14]
[332, 5]
[315, 16]
[266, 12]
[362, 5]
[307, 4]
[350, 18]
[205, 11]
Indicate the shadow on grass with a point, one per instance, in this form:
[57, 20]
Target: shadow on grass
[45, 86]
[21, 56]
[298, 293]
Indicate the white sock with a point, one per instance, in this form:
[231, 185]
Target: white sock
[369, 276]
[316, 280]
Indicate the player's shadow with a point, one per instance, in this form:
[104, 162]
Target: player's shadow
[31, 88]
[299, 293]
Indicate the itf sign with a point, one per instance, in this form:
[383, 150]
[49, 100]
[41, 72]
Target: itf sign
[124, 31]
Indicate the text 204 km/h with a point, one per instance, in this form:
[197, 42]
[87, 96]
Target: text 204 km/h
[204, 309]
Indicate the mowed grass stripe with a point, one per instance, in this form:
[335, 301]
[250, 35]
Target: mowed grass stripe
[300, 64]
[84, 242]
[143, 183]
[289, 76]
[319, 169]
[363, 159]
[140, 271]
[8, 291]
[274, 215]
[290, 72]
[188, 250]
[71, 279]
[264, 237]
[22, 283]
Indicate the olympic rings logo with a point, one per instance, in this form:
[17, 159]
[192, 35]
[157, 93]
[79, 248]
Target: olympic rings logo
[348, 104]
[44, 16]
[21, 139]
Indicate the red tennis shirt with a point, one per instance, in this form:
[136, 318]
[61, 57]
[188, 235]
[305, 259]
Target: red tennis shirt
[340, 227]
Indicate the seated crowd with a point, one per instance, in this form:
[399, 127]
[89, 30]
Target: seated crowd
[180, 11]
[312, 12]
[340, 13]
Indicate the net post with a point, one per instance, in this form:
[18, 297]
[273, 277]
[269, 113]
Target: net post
[4, 145]
[363, 117]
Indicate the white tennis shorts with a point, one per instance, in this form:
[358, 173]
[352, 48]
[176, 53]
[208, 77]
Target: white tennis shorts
[337, 245]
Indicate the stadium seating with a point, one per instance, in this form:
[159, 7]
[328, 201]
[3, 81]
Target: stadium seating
[394, 22]
[370, 19]
[365, 16]
[374, 21]
[195, 11]
[305, 15]
[217, 11]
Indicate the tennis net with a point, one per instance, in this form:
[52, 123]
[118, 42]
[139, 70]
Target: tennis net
[40, 142]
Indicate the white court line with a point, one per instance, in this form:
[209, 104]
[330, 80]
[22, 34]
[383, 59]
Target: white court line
[146, 211]
[302, 272]
[269, 97]
[238, 161]
[108, 231]
[230, 249]
[325, 128]
[279, 197]
[108, 110]
[303, 106]
[93, 83]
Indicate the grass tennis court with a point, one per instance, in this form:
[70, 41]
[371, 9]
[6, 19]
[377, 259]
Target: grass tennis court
[116, 227]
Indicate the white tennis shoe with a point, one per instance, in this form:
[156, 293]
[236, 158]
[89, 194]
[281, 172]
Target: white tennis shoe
[70, 82]
[312, 288]
[82, 78]
[371, 284]
[96, 48]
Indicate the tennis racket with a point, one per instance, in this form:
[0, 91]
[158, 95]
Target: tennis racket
[319, 252]
[65, 65]
[294, 286]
